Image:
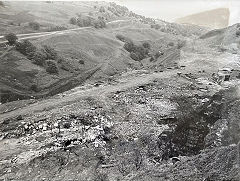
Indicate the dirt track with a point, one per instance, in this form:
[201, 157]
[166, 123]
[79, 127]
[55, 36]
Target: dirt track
[54, 102]
[42, 34]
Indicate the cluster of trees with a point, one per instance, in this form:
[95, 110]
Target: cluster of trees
[118, 10]
[169, 29]
[11, 38]
[34, 25]
[57, 28]
[137, 52]
[99, 23]
[102, 9]
[46, 56]
[143, 19]
[155, 26]
[88, 21]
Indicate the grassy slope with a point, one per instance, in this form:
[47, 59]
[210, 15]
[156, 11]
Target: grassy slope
[98, 48]
[47, 14]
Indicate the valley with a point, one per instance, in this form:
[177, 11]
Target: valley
[138, 99]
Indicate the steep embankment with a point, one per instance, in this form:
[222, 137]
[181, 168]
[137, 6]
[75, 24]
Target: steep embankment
[134, 129]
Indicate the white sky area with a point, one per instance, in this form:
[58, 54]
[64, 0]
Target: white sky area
[170, 10]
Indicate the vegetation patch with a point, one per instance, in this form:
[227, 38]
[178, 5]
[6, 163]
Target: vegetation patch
[86, 21]
[11, 38]
[41, 57]
[51, 67]
[34, 25]
[137, 52]
[122, 38]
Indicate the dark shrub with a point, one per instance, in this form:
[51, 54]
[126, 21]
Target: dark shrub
[39, 58]
[57, 28]
[146, 45]
[21, 48]
[137, 52]
[134, 56]
[238, 32]
[73, 21]
[25, 47]
[29, 50]
[11, 38]
[34, 25]
[51, 67]
[156, 26]
[152, 58]
[99, 24]
[64, 65]
[129, 46]
[141, 51]
[83, 22]
[81, 61]
[100, 17]
[34, 88]
[50, 52]
[101, 9]
[122, 38]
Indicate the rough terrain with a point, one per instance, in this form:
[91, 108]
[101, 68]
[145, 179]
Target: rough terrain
[174, 118]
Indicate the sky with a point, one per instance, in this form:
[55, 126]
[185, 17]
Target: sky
[170, 10]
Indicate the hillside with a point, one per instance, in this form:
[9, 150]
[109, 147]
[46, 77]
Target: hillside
[86, 51]
[116, 97]
[214, 19]
[16, 17]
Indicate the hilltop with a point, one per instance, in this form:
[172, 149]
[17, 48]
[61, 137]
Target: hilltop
[214, 19]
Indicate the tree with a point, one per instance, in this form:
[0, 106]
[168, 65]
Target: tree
[134, 56]
[25, 47]
[129, 46]
[51, 67]
[11, 38]
[146, 45]
[73, 21]
[102, 9]
[99, 24]
[34, 25]
[238, 32]
[38, 58]
[50, 52]
[122, 38]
